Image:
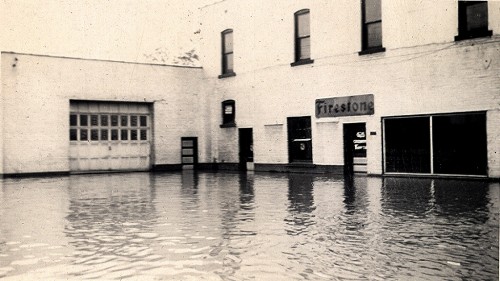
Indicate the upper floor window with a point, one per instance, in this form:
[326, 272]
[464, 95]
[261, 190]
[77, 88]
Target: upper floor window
[302, 38]
[228, 113]
[371, 14]
[227, 54]
[472, 19]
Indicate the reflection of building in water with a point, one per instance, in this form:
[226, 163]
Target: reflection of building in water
[301, 203]
[107, 217]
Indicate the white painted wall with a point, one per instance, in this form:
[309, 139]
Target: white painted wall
[423, 71]
[36, 95]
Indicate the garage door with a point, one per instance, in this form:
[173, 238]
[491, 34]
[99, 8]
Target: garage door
[109, 136]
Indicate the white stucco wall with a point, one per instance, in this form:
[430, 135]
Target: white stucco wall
[37, 92]
[422, 71]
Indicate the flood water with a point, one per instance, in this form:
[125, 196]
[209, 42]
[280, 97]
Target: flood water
[230, 226]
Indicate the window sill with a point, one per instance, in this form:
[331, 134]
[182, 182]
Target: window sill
[228, 125]
[372, 51]
[225, 75]
[302, 62]
[477, 34]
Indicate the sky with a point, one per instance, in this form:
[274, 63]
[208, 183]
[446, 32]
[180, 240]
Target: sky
[152, 31]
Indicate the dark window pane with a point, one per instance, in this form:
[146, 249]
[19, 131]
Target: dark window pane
[133, 134]
[372, 10]
[84, 135]
[187, 143]
[94, 134]
[73, 135]
[124, 134]
[459, 143]
[84, 120]
[477, 16]
[374, 35]
[407, 145]
[228, 112]
[114, 134]
[133, 120]
[94, 120]
[104, 134]
[114, 120]
[144, 121]
[144, 134]
[104, 120]
[73, 120]
[124, 120]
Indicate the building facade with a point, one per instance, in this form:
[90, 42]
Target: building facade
[378, 87]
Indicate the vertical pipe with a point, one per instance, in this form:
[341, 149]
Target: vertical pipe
[432, 145]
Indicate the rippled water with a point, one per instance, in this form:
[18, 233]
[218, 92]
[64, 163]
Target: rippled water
[214, 226]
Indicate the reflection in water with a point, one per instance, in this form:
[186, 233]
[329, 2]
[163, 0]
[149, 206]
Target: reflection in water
[110, 224]
[229, 226]
[300, 195]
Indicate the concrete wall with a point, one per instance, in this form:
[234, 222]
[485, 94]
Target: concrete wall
[422, 71]
[36, 94]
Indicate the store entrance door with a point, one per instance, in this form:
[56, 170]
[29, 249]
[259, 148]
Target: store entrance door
[354, 148]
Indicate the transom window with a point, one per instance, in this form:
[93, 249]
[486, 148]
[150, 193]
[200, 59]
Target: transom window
[108, 127]
[227, 53]
[371, 13]
[472, 19]
[302, 37]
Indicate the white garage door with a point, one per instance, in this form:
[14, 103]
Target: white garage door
[109, 136]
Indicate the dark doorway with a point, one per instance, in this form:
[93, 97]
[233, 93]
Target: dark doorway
[189, 151]
[246, 148]
[354, 148]
[299, 139]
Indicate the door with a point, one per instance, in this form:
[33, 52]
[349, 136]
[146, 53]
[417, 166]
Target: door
[354, 148]
[189, 152]
[106, 136]
[246, 149]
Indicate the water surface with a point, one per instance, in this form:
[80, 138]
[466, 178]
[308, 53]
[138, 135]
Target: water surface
[230, 226]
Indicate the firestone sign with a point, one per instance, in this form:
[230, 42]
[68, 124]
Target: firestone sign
[345, 106]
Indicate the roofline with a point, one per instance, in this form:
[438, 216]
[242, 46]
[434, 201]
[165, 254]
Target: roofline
[101, 60]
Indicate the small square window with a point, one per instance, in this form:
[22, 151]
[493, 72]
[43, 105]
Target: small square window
[94, 134]
[144, 121]
[124, 134]
[114, 134]
[73, 134]
[84, 120]
[84, 135]
[104, 120]
[94, 120]
[133, 120]
[114, 120]
[133, 134]
[124, 120]
[104, 134]
[73, 120]
[144, 135]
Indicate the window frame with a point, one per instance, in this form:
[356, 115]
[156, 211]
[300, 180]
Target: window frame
[228, 120]
[463, 33]
[225, 71]
[365, 49]
[297, 39]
